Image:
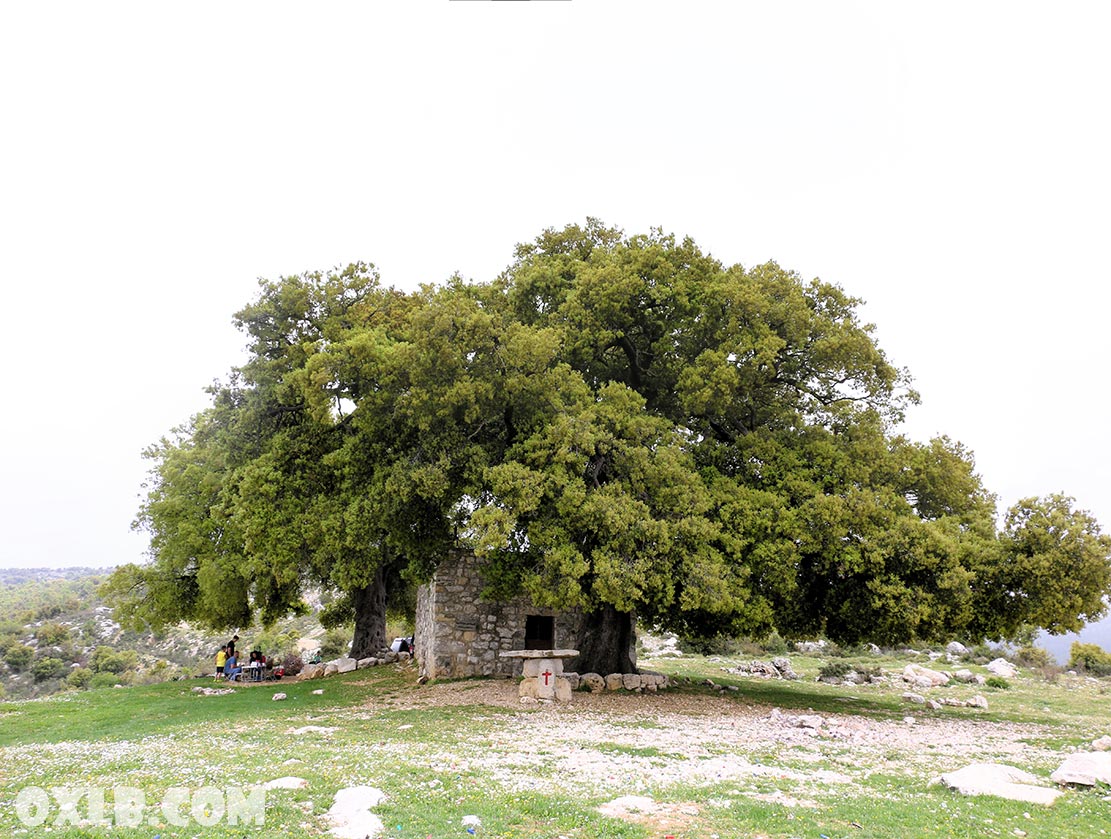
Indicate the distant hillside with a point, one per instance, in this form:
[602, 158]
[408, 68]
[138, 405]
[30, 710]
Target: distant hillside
[56, 633]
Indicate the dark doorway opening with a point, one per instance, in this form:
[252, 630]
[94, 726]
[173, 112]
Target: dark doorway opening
[539, 632]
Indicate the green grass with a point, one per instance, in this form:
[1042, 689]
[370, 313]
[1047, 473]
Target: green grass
[508, 767]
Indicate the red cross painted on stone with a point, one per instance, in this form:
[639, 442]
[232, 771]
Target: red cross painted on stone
[546, 674]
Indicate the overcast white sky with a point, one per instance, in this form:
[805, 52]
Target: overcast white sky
[947, 162]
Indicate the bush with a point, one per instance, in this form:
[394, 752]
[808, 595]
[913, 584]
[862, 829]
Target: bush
[48, 668]
[997, 682]
[1033, 657]
[1090, 658]
[52, 634]
[18, 656]
[834, 671]
[79, 678]
[337, 643]
[292, 664]
[108, 660]
[104, 680]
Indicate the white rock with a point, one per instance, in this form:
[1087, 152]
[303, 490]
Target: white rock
[350, 813]
[615, 681]
[914, 698]
[627, 804]
[318, 692]
[977, 701]
[345, 665]
[631, 681]
[809, 721]
[966, 676]
[916, 674]
[278, 697]
[1001, 781]
[472, 821]
[331, 668]
[956, 648]
[1085, 768]
[1102, 744]
[367, 662]
[1002, 667]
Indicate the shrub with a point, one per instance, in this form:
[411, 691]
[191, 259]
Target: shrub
[997, 682]
[52, 634]
[834, 670]
[774, 644]
[1091, 658]
[48, 668]
[1033, 657]
[79, 678]
[337, 642]
[292, 664]
[104, 680]
[18, 656]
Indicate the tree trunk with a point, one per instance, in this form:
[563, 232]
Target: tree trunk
[606, 643]
[370, 617]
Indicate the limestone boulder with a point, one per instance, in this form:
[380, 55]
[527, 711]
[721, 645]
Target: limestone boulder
[312, 671]
[368, 662]
[345, 665]
[914, 698]
[1103, 744]
[924, 676]
[1084, 768]
[956, 648]
[615, 681]
[592, 682]
[562, 689]
[1001, 781]
[331, 668]
[631, 681]
[1002, 667]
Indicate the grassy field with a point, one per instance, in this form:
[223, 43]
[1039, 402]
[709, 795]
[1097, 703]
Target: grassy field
[713, 762]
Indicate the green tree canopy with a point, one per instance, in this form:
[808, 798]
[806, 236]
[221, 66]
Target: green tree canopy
[616, 423]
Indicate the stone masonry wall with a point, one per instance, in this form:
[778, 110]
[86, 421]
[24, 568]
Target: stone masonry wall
[458, 634]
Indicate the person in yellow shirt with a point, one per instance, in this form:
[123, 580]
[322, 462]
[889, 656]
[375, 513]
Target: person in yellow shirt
[221, 657]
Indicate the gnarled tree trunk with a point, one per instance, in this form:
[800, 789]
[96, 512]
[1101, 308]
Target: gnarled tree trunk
[370, 617]
[606, 643]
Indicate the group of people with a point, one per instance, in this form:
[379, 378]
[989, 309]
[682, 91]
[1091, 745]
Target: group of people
[228, 665]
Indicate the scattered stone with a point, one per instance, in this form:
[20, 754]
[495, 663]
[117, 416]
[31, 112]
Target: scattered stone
[562, 689]
[350, 813]
[367, 662]
[318, 692]
[293, 761]
[909, 720]
[278, 697]
[810, 647]
[314, 729]
[342, 665]
[615, 681]
[213, 691]
[914, 698]
[977, 701]
[404, 657]
[933, 705]
[809, 721]
[1002, 667]
[312, 671]
[592, 682]
[529, 701]
[924, 676]
[956, 648]
[472, 821]
[1084, 768]
[1001, 781]
[288, 782]
[1103, 744]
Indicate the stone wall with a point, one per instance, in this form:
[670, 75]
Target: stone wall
[458, 634]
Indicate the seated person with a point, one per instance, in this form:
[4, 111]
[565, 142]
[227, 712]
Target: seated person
[232, 670]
